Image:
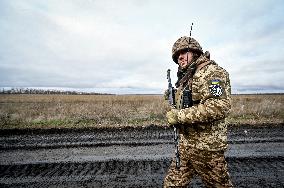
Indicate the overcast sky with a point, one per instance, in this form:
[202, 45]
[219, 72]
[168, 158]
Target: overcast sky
[124, 46]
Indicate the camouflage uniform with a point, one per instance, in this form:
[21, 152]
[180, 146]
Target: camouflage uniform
[203, 130]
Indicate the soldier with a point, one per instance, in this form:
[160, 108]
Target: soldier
[203, 100]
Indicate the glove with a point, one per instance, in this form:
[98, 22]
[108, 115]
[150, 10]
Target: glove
[166, 94]
[172, 116]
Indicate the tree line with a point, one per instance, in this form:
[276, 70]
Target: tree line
[46, 91]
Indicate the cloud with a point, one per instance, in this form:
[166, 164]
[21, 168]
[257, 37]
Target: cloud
[126, 46]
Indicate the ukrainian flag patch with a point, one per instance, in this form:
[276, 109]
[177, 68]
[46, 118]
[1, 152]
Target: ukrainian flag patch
[215, 88]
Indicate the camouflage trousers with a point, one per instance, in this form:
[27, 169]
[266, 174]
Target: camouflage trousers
[209, 165]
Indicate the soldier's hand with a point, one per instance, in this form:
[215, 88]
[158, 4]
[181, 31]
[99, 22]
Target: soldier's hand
[172, 116]
[166, 94]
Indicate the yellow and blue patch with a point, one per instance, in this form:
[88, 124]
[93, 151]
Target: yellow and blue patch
[215, 88]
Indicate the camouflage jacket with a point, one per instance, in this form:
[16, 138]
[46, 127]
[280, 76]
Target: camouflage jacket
[203, 125]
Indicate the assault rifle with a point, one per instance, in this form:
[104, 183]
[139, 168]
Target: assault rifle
[171, 91]
[187, 102]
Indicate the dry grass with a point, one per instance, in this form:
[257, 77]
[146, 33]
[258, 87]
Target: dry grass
[257, 109]
[79, 111]
[60, 111]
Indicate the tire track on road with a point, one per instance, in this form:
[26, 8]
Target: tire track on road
[130, 158]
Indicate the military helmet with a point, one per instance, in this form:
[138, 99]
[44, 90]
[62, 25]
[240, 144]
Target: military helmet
[185, 43]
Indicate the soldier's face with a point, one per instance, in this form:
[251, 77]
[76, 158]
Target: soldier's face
[184, 59]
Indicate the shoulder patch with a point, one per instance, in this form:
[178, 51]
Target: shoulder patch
[215, 88]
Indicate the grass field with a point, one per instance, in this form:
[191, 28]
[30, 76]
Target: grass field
[77, 111]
